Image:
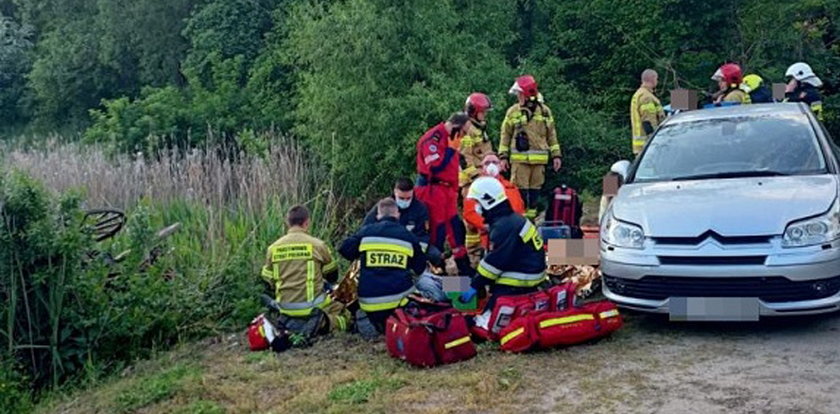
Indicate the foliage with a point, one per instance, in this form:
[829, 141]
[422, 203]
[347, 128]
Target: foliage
[87, 316]
[15, 62]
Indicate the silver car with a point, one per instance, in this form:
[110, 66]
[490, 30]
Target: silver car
[728, 214]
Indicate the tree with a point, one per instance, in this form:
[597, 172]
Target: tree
[373, 75]
[15, 46]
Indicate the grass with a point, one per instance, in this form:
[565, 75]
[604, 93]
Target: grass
[339, 374]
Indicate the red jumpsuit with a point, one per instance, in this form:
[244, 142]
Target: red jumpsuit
[437, 188]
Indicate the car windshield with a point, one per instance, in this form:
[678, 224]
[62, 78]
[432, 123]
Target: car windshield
[749, 146]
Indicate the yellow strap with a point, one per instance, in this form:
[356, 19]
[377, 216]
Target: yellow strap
[329, 267]
[514, 334]
[457, 342]
[566, 319]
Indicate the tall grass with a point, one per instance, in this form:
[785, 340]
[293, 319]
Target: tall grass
[230, 205]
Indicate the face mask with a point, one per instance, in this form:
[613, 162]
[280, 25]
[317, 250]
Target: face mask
[403, 204]
[492, 170]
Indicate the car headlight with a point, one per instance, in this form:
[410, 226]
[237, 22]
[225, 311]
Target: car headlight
[813, 231]
[621, 234]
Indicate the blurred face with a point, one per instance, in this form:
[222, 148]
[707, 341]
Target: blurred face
[654, 81]
[481, 116]
[400, 195]
[722, 85]
[491, 166]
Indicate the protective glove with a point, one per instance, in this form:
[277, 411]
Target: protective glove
[468, 295]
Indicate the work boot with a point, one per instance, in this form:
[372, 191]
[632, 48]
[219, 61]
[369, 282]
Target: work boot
[365, 327]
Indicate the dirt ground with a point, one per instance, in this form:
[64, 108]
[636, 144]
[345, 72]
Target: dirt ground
[651, 365]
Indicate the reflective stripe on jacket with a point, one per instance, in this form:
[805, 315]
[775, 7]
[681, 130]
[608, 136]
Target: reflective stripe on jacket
[388, 254]
[296, 266]
[516, 257]
[539, 129]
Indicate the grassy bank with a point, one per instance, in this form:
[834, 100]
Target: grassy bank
[70, 317]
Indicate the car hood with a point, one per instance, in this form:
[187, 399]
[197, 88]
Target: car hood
[730, 207]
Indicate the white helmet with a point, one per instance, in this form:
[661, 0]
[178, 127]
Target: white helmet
[488, 191]
[802, 72]
[718, 76]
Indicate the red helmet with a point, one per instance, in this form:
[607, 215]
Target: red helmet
[525, 85]
[732, 74]
[477, 103]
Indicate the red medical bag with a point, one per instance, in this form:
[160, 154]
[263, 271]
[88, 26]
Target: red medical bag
[428, 335]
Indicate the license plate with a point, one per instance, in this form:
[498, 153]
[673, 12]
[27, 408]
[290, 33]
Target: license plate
[713, 309]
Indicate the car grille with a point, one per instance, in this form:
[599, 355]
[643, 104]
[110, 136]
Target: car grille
[770, 289]
[724, 240]
[712, 260]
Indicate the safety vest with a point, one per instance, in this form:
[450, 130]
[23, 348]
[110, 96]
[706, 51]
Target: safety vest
[295, 266]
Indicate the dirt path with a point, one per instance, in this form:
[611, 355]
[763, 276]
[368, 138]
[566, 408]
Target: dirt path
[786, 365]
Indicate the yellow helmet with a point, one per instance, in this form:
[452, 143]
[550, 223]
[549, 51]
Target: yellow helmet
[753, 81]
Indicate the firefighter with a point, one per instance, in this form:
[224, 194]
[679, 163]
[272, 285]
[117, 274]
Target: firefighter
[515, 263]
[388, 253]
[730, 84]
[477, 144]
[759, 92]
[802, 87]
[438, 164]
[296, 267]
[645, 110]
[473, 149]
[528, 141]
[491, 167]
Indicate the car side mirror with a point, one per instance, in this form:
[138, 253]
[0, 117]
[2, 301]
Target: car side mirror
[621, 168]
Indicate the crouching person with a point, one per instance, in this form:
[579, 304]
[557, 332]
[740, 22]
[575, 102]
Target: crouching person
[515, 263]
[296, 267]
[388, 254]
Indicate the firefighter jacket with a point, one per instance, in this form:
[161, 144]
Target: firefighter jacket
[388, 253]
[415, 218]
[516, 257]
[736, 95]
[809, 94]
[437, 163]
[296, 266]
[529, 136]
[474, 218]
[645, 115]
[473, 149]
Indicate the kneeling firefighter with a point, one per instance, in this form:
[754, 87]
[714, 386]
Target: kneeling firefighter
[388, 253]
[296, 267]
[515, 264]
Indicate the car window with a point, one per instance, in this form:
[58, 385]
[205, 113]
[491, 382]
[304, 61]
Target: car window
[773, 144]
